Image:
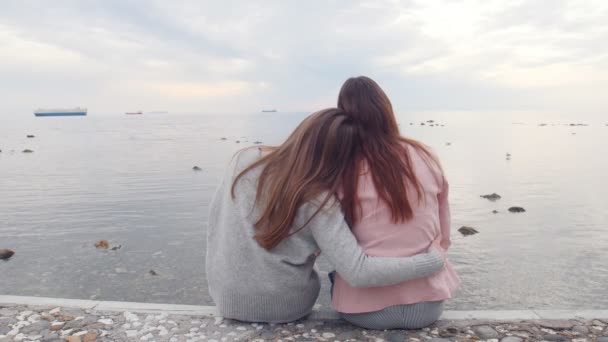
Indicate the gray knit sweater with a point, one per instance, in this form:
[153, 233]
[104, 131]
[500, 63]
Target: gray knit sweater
[249, 283]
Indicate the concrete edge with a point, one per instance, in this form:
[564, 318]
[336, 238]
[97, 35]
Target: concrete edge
[327, 315]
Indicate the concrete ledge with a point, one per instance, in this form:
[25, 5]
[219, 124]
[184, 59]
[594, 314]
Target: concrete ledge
[200, 310]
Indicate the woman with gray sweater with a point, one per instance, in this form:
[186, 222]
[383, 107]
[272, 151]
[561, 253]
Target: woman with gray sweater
[277, 209]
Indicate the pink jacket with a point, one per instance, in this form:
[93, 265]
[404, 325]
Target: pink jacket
[378, 236]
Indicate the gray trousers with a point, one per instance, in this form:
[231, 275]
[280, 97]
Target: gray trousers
[407, 316]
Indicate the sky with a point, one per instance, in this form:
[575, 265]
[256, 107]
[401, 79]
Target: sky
[243, 56]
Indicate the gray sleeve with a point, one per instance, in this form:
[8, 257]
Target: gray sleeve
[336, 241]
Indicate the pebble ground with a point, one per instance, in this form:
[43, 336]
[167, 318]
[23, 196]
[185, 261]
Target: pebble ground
[48, 324]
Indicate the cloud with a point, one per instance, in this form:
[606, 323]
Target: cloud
[432, 54]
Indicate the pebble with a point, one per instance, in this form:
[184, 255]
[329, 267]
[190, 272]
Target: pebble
[106, 321]
[557, 324]
[512, 339]
[485, 332]
[555, 338]
[581, 329]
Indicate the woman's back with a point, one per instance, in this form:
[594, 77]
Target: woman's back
[250, 283]
[378, 235]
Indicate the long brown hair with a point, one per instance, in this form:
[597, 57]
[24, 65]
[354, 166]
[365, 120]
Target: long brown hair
[384, 149]
[308, 166]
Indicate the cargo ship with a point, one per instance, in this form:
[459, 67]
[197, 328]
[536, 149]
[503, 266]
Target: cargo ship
[61, 112]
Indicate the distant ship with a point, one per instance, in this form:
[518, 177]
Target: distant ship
[61, 112]
[134, 113]
[269, 110]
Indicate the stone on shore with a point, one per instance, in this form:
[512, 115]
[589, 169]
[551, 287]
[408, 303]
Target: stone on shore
[103, 244]
[556, 324]
[492, 197]
[6, 254]
[512, 339]
[466, 231]
[485, 332]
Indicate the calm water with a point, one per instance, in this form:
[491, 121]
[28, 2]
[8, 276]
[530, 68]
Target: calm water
[129, 179]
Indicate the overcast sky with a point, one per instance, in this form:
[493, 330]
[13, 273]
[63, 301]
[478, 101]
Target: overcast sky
[242, 56]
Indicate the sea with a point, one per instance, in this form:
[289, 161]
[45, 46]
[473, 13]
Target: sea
[129, 179]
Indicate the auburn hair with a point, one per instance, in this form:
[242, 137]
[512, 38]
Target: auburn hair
[384, 149]
[308, 167]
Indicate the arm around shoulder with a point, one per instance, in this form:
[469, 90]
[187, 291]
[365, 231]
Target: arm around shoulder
[336, 241]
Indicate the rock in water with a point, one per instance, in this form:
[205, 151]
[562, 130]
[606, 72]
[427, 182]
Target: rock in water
[6, 254]
[102, 244]
[196, 168]
[464, 230]
[492, 197]
[27, 151]
[517, 210]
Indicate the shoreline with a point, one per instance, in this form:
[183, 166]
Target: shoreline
[58, 319]
[209, 310]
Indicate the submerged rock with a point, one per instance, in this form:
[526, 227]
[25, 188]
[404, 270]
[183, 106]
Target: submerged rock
[223, 138]
[517, 210]
[257, 142]
[465, 230]
[27, 151]
[238, 141]
[6, 254]
[102, 244]
[494, 211]
[196, 168]
[448, 144]
[492, 197]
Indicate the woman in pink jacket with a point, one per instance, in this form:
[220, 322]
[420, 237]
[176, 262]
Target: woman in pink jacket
[396, 202]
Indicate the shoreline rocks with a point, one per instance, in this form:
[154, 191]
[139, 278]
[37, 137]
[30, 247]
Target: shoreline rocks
[29, 323]
[466, 231]
[102, 244]
[6, 254]
[492, 197]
